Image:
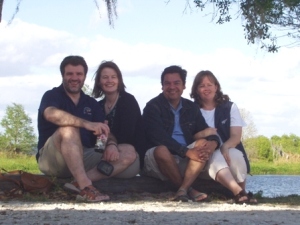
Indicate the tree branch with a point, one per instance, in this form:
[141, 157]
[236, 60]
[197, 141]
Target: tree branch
[16, 11]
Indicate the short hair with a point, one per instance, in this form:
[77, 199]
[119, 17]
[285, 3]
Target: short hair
[174, 69]
[97, 90]
[219, 97]
[73, 60]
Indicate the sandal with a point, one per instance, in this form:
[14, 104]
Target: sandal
[72, 187]
[196, 196]
[181, 195]
[91, 194]
[249, 198]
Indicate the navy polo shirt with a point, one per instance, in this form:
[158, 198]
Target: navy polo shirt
[87, 108]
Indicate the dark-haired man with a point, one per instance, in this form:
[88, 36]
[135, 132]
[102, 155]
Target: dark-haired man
[68, 123]
[171, 123]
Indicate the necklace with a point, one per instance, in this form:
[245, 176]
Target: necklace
[112, 105]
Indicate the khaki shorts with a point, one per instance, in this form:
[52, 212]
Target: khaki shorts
[151, 168]
[132, 170]
[213, 166]
[52, 163]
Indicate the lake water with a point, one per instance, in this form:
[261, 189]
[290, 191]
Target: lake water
[274, 185]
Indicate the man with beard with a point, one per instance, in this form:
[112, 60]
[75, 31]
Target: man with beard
[68, 123]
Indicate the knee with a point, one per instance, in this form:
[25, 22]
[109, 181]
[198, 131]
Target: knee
[162, 153]
[132, 155]
[68, 132]
[129, 153]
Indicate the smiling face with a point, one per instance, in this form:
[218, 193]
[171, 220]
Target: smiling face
[109, 81]
[173, 88]
[73, 79]
[207, 90]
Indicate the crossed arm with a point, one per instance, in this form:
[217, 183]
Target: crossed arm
[62, 118]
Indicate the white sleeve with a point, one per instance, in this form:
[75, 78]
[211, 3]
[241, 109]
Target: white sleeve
[235, 117]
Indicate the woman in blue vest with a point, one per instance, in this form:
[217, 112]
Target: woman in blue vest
[230, 163]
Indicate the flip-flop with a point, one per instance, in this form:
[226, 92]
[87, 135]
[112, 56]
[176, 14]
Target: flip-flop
[181, 197]
[194, 198]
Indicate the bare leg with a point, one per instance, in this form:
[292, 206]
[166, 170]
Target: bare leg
[126, 158]
[192, 171]
[169, 168]
[67, 140]
[225, 178]
[243, 185]
[167, 165]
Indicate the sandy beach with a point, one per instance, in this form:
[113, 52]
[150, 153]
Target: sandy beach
[146, 212]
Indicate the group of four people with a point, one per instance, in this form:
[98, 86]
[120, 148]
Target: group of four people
[174, 139]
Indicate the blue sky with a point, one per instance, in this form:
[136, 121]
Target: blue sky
[147, 37]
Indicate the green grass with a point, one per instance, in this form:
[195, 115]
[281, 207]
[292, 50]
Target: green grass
[29, 164]
[19, 162]
[280, 200]
[282, 168]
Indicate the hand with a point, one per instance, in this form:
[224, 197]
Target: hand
[225, 153]
[97, 128]
[211, 146]
[199, 152]
[193, 154]
[111, 153]
[206, 148]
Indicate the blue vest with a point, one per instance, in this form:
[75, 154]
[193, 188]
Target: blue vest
[222, 123]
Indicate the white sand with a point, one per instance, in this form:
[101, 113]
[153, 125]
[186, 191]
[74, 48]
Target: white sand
[146, 212]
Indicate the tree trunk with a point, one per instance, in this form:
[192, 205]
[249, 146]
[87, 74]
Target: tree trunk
[1, 7]
[136, 184]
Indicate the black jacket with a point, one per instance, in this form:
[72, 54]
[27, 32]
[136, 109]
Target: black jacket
[127, 124]
[159, 124]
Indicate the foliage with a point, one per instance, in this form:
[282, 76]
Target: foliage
[87, 89]
[264, 147]
[19, 134]
[287, 144]
[4, 143]
[251, 148]
[261, 18]
[265, 21]
[111, 6]
[19, 162]
[284, 149]
[250, 130]
[259, 147]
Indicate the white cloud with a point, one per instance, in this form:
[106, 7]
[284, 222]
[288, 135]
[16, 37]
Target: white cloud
[266, 86]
